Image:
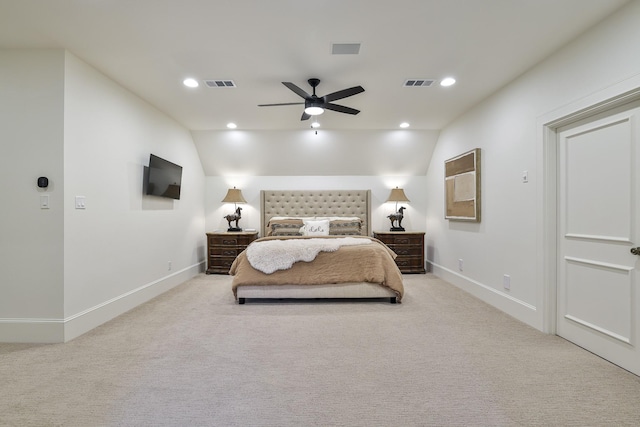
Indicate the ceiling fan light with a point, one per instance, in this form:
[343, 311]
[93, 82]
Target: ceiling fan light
[314, 111]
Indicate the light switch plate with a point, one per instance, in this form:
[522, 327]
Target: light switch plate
[81, 202]
[44, 201]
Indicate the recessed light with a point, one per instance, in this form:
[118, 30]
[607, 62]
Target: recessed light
[190, 82]
[232, 125]
[448, 81]
[404, 125]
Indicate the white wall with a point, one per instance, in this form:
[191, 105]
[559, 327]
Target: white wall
[123, 241]
[66, 270]
[31, 136]
[507, 128]
[380, 186]
[304, 153]
[302, 160]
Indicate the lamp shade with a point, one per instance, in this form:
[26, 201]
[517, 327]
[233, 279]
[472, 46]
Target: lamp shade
[234, 195]
[397, 195]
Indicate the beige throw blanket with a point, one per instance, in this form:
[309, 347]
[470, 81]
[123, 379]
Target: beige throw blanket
[373, 263]
[272, 255]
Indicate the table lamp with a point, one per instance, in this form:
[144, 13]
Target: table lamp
[234, 195]
[397, 195]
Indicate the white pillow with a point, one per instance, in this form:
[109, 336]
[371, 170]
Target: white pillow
[339, 218]
[280, 218]
[315, 228]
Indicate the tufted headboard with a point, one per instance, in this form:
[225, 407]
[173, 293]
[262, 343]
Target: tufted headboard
[305, 203]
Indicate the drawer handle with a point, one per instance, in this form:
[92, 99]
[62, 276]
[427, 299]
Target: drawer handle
[229, 242]
[228, 252]
[403, 252]
[402, 241]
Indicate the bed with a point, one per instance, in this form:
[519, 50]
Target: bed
[360, 267]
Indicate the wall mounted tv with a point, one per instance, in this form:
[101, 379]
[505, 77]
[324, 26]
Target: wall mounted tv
[164, 178]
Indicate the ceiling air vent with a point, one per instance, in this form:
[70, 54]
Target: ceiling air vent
[220, 83]
[345, 48]
[418, 83]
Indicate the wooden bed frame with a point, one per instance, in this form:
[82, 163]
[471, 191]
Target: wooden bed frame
[316, 203]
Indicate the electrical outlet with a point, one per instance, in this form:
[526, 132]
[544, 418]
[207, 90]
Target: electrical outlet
[525, 177]
[460, 264]
[506, 282]
[169, 266]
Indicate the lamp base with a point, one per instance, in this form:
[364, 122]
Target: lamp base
[397, 229]
[234, 229]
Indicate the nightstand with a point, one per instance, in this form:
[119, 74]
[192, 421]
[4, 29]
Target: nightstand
[224, 247]
[408, 245]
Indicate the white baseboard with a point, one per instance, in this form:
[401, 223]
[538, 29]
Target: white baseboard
[45, 331]
[514, 307]
[63, 330]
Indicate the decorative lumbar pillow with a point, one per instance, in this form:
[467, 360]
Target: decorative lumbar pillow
[338, 218]
[345, 227]
[300, 218]
[315, 228]
[284, 227]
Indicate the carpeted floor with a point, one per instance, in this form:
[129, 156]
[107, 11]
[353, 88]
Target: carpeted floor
[192, 357]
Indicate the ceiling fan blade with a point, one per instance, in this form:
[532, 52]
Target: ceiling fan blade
[305, 116]
[285, 103]
[343, 93]
[340, 108]
[297, 90]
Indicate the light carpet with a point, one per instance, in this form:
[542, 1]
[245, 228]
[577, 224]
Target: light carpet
[193, 357]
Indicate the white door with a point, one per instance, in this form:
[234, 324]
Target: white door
[598, 299]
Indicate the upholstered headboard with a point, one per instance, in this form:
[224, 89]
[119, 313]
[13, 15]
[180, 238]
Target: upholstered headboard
[306, 203]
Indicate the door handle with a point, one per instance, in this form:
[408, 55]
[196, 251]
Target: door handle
[635, 251]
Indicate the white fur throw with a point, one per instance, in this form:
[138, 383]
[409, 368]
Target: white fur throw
[273, 255]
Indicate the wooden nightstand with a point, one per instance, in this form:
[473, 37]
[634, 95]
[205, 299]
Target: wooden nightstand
[224, 247]
[408, 245]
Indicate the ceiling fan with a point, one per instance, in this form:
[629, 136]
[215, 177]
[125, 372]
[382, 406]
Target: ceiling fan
[314, 105]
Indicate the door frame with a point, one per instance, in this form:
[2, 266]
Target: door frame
[547, 156]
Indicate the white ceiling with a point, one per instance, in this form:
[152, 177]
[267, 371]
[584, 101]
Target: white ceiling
[150, 46]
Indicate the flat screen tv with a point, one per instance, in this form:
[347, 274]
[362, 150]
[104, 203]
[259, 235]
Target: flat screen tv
[164, 178]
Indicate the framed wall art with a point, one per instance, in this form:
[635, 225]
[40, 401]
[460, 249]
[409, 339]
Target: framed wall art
[462, 187]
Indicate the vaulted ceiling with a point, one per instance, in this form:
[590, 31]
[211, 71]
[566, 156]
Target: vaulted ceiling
[151, 46]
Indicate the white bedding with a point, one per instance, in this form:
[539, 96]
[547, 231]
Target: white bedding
[272, 255]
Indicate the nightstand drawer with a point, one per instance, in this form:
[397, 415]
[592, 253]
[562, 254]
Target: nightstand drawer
[395, 239]
[219, 251]
[406, 250]
[408, 262]
[223, 241]
[222, 262]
